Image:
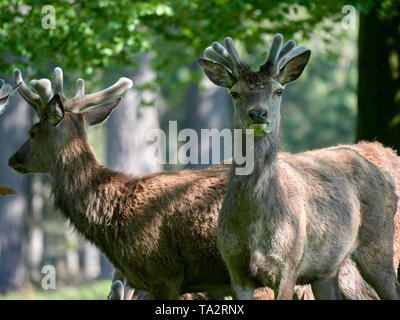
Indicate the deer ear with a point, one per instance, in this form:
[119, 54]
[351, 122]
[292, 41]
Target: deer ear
[55, 110]
[217, 73]
[293, 65]
[100, 113]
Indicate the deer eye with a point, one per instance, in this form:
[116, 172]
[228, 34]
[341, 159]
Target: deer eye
[235, 95]
[278, 92]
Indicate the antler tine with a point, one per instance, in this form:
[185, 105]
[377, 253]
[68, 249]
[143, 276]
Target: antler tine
[58, 80]
[239, 64]
[32, 98]
[102, 96]
[44, 90]
[215, 56]
[220, 49]
[80, 88]
[227, 57]
[275, 49]
[286, 49]
[270, 66]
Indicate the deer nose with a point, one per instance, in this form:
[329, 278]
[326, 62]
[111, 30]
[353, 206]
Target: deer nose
[258, 115]
[15, 160]
[12, 162]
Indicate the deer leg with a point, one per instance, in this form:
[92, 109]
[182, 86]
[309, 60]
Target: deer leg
[376, 267]
[287, 283]
[129, 292]
[242, 287]
[303, 292]
[381, 279]
[352, 285]
[241, 292]
[327, 289]
[374, 258]
[168, 290]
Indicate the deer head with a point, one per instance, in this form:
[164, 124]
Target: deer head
[256, 95]
[60, 118]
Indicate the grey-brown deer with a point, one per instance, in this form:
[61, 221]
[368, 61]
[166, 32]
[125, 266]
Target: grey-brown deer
[296, 218]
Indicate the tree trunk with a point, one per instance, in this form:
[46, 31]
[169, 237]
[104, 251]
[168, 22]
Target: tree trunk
[35, 237]
[91, 262]
[207, 109]
[379, 80]
[127, 148]
[72, 255]
[13, 127]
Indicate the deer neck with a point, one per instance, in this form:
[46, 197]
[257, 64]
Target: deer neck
[83, 188]
[265, 154]
[263, 180]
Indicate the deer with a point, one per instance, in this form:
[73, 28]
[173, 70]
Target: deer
[160, 230]
[297, 218]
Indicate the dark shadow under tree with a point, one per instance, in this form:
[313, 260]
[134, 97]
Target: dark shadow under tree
[379, 78]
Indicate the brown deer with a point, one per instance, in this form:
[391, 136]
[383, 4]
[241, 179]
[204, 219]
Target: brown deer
[159, 230]
[295, 219]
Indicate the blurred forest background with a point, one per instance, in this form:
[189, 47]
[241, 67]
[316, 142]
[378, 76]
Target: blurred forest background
[349, 91]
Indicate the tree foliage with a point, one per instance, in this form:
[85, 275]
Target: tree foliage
[92, 35]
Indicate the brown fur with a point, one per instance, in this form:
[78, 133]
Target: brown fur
[148, 213]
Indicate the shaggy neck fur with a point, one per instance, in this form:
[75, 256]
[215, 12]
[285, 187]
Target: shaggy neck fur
[263, 179]
[255, 195]
[85, 191]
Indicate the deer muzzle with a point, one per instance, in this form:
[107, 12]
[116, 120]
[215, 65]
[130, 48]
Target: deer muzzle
[18, 160]
[259, 122]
